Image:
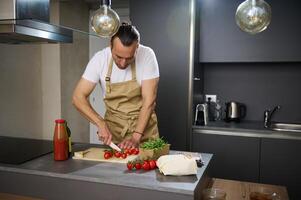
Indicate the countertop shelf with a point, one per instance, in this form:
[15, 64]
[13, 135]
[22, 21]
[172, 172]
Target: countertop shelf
[101, 174]
[244, 128]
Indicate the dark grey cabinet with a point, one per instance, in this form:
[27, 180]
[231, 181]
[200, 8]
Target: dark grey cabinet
[221, 40]
[281, 164]
[165, 27]
[234, 157]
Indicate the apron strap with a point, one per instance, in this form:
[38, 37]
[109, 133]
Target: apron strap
[108, 76]
[109, 73]
[133, 69]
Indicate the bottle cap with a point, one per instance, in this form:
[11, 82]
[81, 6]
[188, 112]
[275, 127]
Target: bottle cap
[60, 121]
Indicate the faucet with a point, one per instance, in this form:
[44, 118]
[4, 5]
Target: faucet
[268, 116]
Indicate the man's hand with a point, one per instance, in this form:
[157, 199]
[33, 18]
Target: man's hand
[130, 143]
[104, 134]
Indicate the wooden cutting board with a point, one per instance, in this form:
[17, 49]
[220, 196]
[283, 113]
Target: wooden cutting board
[97, 154]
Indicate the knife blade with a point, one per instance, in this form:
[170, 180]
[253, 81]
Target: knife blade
[114, 146]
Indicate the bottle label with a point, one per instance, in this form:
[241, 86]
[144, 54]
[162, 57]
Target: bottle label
[70, 147]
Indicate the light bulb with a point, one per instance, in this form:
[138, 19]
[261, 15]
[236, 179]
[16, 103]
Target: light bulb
[253, 16]
[105, 21]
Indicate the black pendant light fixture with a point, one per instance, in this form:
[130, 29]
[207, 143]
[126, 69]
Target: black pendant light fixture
[105, 21]
[253, 16]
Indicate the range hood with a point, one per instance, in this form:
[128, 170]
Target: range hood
[27, 21]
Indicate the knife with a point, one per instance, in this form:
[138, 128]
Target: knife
[114, 146]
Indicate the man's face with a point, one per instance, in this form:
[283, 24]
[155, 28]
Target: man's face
[122, 55]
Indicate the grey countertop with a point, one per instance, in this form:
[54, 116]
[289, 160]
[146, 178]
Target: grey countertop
[244, 128]
[109, 173]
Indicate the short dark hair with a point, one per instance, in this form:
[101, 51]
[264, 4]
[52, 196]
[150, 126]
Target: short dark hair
[127, 34]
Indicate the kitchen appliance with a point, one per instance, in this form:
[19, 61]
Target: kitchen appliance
[19, 150]
[23, 21]
[201, 114]
[235, 111]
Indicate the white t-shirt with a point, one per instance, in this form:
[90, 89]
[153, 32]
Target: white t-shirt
[97, 68]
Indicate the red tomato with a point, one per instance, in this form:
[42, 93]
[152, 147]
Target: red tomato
[130, 166]
[138, 166]
[136, 151]
[117, 154]
[124, 155]
[152, 164]
[132, 151]
[107, 155]
[145, 165]
[128, 151]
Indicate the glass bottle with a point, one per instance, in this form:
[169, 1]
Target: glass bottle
[60, 140]
[218, 110]
[69, 140]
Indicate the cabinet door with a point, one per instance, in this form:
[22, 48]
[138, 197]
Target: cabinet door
[221, 40]
[164, 26]
[281, 164]
[234, 157]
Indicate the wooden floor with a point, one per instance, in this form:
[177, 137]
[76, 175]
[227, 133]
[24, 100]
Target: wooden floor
[5, 196]
[238, 190]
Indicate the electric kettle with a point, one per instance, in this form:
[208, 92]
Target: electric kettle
[235, 111]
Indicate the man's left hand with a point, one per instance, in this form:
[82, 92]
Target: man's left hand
[130, 143]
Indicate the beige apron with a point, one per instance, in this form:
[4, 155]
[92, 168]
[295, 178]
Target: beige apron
[123, 103]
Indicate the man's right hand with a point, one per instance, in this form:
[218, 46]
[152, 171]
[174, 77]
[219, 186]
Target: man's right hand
[104, 134]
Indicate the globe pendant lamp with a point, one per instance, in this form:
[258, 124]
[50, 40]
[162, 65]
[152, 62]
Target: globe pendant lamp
[253, 16]
[105, 21]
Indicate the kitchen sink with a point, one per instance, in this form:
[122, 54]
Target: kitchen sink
[286, 127]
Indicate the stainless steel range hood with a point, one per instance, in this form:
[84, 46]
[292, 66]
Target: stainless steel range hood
[27, 21]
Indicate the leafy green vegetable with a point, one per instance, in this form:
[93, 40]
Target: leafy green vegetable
[154, 144]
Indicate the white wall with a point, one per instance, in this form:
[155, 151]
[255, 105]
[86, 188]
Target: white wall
[51, 80]
[73, 60]
[37, 81]
[20, 91]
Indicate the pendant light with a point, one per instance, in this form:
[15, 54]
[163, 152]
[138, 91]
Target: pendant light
[105, 21]
[253, 16]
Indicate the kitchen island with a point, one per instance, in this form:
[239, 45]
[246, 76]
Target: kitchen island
[78, 179]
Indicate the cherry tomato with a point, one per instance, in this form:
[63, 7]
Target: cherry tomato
[138, 166]
[124, 155]
[145, 165]
[132, 151]
[117, 154]
[130, 166]
[107, 155]
[128, 151]
[152, 164]
[136, 151]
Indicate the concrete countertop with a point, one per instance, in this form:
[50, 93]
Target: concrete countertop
[244, 128]
[109, 173]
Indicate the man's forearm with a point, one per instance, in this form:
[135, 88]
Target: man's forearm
[143, 119]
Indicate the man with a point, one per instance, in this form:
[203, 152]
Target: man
[128, 73]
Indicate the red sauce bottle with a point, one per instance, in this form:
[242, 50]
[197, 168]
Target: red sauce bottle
[60, 140]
